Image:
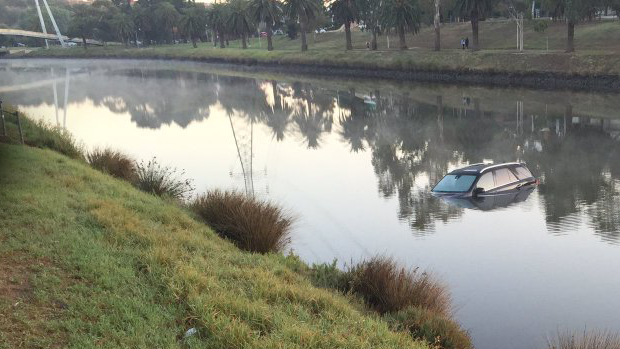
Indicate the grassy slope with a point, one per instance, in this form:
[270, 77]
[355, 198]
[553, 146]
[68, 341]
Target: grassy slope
[597, 52]
[87, 260]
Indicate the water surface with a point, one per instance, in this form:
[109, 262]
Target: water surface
[355, 161]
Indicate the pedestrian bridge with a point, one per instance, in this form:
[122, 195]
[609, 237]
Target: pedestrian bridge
[38, 35]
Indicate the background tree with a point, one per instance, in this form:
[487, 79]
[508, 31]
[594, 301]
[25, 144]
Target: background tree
[370, 14]
[166, 16]
[239, 20]
[436, 24]
[475, 10]
[304, 11]
[403, 15]
[268, 11]
[572, 11]
[192, 22]
[123, 26]
[84, 22]
[345, 12]
[216, 19]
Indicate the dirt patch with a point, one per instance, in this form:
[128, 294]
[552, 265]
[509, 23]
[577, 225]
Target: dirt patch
[15, 283]
[24, 319]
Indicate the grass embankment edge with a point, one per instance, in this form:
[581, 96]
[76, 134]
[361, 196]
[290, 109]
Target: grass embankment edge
[591, 71]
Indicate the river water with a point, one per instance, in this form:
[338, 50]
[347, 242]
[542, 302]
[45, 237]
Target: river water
[354, 160]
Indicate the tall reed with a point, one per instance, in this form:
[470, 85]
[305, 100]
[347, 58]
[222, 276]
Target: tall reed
[252, 224]
[587, 340]
[165, 181]
[113, 162]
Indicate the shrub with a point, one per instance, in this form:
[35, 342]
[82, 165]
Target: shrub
[113, 162]
[588, 340]
[439, 330]
[389, 288]
[327, 275]
[162, 180]
[253, 225]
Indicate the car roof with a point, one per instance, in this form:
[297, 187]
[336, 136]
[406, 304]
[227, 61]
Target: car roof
[480, 168]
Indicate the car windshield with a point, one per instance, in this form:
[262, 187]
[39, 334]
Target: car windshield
[455, 183]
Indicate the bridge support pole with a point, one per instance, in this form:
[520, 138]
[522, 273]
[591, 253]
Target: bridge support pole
[47, 7]
[47, 45]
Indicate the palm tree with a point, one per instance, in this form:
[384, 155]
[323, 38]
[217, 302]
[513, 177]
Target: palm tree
[475, 10]
[239, 20]
[216, 18]
[192, 22]
[370, 14]
[124, 27]
[268, 11]
[168, 16]
[404, 15]
[345, 12]
[304, 11]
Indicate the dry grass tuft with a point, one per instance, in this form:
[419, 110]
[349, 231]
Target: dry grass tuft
[253, 225]
[588, 340]
[113, 162]
[389, 288]
[164, 181]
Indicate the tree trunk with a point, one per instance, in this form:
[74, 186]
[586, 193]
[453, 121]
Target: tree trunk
[347, 34]
[269, 35]
[221, 35]
[373, 45]
[244, 44]
[193, 40]
[84, 42]
[215, 36]
[304, 44]
[474, 33]
[570, 39]
[401, 37]
[436, 24]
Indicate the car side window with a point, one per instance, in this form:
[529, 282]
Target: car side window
[486, 182]
[503, 176]
[522, 172]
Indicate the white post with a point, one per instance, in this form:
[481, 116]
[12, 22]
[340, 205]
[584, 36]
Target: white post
[67, 78]
[55, 96]
[47, 7]
[388, 38]
[47, 45]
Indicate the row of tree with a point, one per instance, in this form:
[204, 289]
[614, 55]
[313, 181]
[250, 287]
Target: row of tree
[167, 21]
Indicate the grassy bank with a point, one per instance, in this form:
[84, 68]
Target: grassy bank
[87, 260]
[596, 55]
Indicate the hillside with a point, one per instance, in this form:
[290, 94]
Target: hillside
[89, 261]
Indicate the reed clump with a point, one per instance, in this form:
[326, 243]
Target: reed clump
[386, 287]
[437, 329]
[587, 340]
[164, 181]
[251, 224]
[113, 162]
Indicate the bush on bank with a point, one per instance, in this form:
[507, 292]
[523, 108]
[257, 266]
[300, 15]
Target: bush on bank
[251, 224]
[113, 162]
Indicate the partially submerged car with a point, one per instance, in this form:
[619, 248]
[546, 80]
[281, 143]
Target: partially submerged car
[479, 180]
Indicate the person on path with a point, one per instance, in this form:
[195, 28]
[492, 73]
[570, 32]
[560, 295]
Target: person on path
[462, 43]
[467, 42]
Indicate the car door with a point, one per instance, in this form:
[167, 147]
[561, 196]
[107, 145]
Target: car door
[505, 181]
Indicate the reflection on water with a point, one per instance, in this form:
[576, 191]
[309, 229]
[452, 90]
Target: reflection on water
[321, 139]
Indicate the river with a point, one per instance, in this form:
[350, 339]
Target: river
[355, 160]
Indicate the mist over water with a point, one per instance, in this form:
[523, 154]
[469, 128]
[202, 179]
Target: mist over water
[356, 159]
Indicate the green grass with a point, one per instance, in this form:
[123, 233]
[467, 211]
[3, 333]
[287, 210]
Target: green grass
[87, 260]
[596, 53]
